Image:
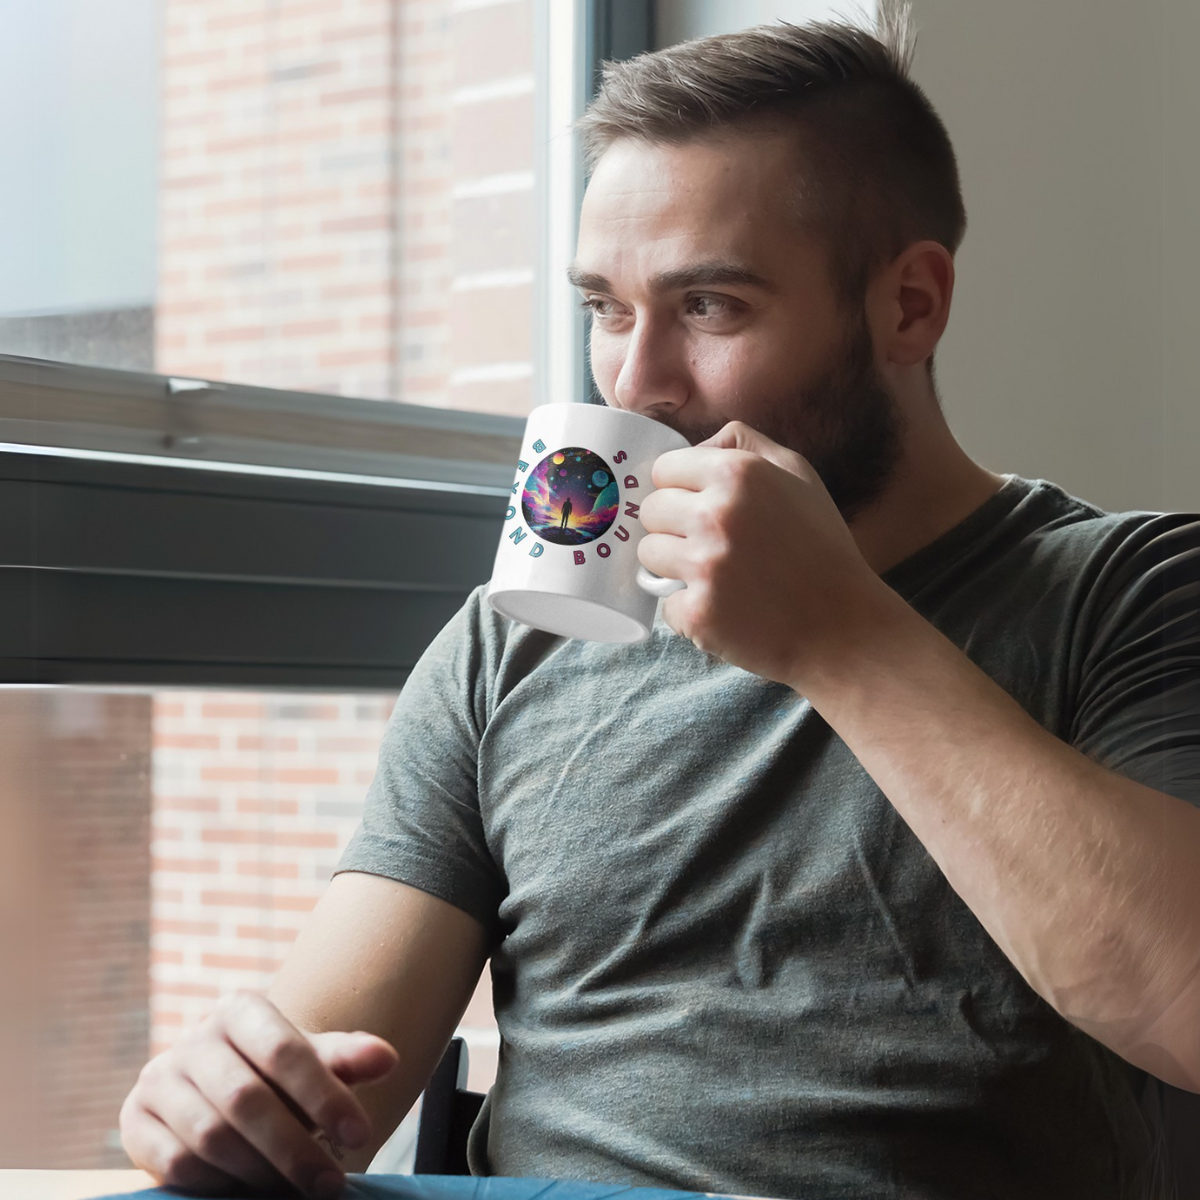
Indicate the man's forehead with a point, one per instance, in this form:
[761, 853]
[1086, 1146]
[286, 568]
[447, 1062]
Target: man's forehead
[726, 176]
[714, 210]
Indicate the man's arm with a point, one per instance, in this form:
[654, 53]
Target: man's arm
[379, 956]
[1088, 881]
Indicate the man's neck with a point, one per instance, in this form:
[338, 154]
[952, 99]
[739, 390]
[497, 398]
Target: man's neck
[936, 486]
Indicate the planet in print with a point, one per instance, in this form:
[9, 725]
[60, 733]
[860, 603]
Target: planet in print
[570, 497]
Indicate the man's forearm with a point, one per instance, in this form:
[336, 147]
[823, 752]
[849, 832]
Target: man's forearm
[1089, 882]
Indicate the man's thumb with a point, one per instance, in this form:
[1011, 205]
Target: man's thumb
[354, 1057]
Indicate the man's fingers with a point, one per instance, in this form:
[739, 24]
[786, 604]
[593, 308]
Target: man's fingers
[275, 1048]
[163, 1155]
[354, 1057]
[176, 1104]
[247, 1103]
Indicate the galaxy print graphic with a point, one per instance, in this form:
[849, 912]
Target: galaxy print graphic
[570, 497]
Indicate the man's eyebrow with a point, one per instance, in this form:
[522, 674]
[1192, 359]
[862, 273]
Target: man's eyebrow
[705, 274]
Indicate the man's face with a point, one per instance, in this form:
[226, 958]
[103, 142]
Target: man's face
[710, 303]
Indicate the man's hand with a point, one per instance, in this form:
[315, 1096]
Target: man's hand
[774, 576]
[246, 1098]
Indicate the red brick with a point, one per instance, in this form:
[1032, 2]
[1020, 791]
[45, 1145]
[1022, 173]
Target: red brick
[307, 775]
[221, 711]
[187, 803]
[281, 807]
[256, 15]
[267, 837]
[267, 900]
[266, 933]
[239, 962]
[164, 987]
[199, 866]
[220, 148]
[232, 83]
[186, 928]
[191, 58]
[186, 741]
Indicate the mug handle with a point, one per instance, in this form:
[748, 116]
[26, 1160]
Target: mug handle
[657, 585]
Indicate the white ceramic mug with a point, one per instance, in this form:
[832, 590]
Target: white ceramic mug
[567, 560]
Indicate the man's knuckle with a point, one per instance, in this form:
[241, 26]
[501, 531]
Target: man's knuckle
[282, 1056]
[242, 1099]
[211, 1138]
[178, 1168]
[239, 1002]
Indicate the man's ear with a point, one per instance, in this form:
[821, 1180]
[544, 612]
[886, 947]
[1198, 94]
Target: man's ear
[909, 303]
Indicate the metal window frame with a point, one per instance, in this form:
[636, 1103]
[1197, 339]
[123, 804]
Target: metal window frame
[159, 531]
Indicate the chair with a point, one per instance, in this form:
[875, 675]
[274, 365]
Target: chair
[448, 1111]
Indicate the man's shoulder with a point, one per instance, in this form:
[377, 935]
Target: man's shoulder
[1069, 530]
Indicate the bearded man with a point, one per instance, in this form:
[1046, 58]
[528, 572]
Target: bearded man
[872, 873]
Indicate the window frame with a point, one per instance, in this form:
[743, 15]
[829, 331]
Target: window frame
[161, 531]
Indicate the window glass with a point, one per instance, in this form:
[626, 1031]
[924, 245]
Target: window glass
[331, 197]
[157, 850]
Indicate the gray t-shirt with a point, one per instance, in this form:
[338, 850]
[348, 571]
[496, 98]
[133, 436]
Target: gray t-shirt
[722, 962]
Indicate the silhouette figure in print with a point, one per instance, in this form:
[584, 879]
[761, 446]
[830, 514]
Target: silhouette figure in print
[571, 496]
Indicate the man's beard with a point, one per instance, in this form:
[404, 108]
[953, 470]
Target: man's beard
[845, 423]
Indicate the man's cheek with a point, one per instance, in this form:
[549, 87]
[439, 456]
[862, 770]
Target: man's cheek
[606, 367]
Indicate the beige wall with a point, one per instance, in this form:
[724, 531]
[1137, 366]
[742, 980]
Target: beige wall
[1076, 127]
[1076, 130]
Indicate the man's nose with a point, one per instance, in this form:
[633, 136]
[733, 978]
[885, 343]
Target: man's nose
[653, 375]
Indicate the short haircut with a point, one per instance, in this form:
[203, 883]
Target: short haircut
[878, 170]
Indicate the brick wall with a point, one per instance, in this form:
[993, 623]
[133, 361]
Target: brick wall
[347, 198]
[75, 788]
[254, 797]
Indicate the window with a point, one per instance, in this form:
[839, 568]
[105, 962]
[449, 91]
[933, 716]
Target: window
[335, 198]
[166, 849]
[274, 306]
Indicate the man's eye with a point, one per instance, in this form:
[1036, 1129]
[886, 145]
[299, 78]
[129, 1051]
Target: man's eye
[598, 306]
[707, 306]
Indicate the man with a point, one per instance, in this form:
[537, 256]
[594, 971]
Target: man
[872, 873]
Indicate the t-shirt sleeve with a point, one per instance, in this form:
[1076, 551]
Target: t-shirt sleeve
[421, 822]
[1138, 709]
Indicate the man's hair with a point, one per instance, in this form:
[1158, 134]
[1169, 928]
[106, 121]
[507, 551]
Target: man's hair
[877, 173]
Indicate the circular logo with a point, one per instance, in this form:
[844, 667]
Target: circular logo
[570, 497]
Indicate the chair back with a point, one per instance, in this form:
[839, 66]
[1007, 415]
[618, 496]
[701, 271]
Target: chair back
[448, 1110]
